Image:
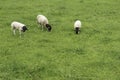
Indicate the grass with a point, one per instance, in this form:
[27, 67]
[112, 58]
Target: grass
[61, 54]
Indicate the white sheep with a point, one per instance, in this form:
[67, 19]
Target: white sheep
[18, 26]
[43, 21]
[77, 26]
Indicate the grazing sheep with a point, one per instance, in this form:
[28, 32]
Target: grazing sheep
[18, 26]
[77, 26]
[43, 21]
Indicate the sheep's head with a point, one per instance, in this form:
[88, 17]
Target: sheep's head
[77, 30]
[24, 28]
[48, 27]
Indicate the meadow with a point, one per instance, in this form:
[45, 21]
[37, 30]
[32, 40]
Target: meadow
[94, 54]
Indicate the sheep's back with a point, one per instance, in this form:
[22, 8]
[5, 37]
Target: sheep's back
[77, 24]
[17, 25]
[42, 19]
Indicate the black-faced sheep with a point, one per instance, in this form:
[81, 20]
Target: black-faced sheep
[77, 26]
[43, 21]
[18, 26]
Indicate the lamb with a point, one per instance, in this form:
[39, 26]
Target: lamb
[18, 26]
[43, 21]
[77, 26]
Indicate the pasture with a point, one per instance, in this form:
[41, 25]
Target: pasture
[94, 54]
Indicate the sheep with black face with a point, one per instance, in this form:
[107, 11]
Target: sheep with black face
[77, 26]
[18, 26]
[43, 21]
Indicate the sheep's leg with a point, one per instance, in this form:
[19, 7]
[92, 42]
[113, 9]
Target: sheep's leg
[42, 28]
[14, 32]
[38, 25]
[20, 33]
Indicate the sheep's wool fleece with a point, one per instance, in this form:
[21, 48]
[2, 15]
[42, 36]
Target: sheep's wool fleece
[17, 25]
[77, 24]
[42, 19]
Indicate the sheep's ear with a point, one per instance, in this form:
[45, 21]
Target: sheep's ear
[27, 29]
[79, 30]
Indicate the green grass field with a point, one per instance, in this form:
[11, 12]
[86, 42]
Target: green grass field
[94, 54]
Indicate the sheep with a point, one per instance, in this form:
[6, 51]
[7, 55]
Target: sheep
[43, 21]
[77, 26]
[18, 26]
